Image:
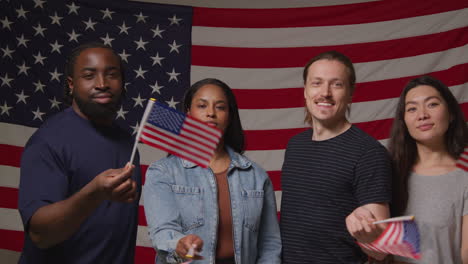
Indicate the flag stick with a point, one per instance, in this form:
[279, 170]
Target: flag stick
[395, 219]
[149, 106]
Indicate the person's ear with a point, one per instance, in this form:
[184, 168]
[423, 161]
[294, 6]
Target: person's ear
[70, 84]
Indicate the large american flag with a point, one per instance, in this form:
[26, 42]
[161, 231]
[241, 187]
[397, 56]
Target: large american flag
[258, 52]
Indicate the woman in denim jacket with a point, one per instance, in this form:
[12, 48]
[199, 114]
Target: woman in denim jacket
[225, 213]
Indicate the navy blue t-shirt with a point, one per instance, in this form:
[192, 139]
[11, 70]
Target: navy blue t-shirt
[62, 156]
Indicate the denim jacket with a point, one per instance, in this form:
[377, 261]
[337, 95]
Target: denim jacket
[180, 198]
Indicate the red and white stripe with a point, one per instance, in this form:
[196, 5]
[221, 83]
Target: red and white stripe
[391, 242]
[196, 142]
[462, 162]
[260, 53]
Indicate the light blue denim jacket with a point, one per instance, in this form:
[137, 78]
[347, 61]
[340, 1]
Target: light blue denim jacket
[180, 198]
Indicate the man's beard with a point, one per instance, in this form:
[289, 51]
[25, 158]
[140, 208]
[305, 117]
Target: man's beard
[95, 111]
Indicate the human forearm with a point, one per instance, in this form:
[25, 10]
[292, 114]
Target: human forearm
[57, 222]
[269, 245]
[165, 238]
[271, 253]
[164, 229]
[269, 234]
[464, 240]
[360, 222]
[161, 210]
[464, 256]
[360, 226]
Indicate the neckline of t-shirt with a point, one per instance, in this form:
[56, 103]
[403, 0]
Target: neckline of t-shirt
[448, 174]
[90, 123]
[310, 131]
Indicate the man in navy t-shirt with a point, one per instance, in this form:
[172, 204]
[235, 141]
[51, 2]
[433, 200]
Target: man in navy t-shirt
[78, 197]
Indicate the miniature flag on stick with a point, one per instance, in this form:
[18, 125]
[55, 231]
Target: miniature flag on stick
[177, 133]
[462, 162]
[401, 237]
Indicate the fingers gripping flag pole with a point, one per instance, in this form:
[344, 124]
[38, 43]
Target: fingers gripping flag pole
[177, 133]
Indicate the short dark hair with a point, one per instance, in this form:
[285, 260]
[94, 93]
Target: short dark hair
[402, 146]
[333, 56]
[234, 134]
[70, 66]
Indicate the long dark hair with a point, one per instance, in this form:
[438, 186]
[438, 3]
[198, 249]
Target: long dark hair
[234, 134]
[70, 66]
[402, 146]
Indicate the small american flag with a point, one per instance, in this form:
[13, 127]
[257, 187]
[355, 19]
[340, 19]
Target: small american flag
[179, 134]
[462, 162]
[399, 238]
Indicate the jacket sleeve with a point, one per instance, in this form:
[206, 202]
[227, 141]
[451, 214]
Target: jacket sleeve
[269, 241]
[163, 218]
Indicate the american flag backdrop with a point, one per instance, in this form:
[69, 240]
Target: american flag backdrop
[258, 52]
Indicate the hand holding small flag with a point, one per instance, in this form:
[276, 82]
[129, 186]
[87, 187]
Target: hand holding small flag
[360, 225]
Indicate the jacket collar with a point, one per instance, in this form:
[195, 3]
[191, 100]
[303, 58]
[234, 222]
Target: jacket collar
[237, 161]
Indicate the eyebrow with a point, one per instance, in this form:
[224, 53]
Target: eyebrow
[205, 101]
[332, 79]
[94, 69]
[425, 100]
[88, 69]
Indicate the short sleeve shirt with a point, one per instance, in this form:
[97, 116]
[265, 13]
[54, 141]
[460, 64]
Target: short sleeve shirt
[438, 204]
[322, 183]
[64, 155]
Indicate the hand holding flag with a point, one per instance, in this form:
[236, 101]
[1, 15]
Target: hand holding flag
[360, 223]
[177, 133]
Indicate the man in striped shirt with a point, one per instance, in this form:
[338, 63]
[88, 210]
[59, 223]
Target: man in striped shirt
[334, 175]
